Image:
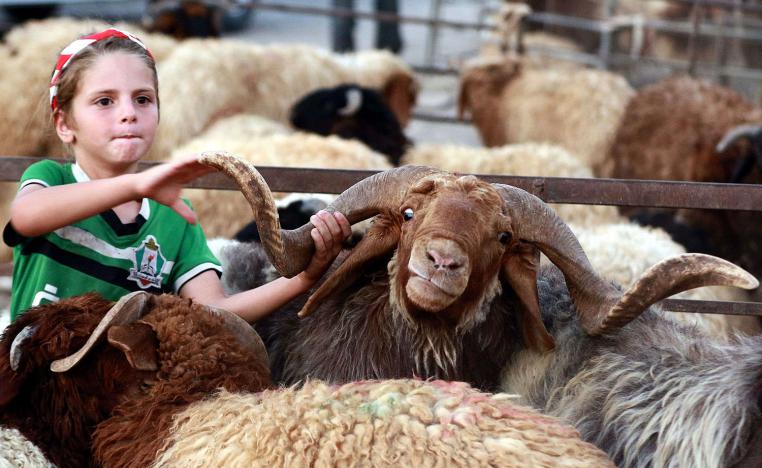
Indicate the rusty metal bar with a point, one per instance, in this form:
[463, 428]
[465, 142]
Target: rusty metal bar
[663, 194]
[727, 4]
[382, 16]
[712, 307]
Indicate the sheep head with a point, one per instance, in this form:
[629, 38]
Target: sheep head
[454, 237]
[482, 84]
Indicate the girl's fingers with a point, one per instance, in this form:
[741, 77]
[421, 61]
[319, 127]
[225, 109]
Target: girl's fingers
[346, 228]
[330, 221]
[319, 242]
[322, 230]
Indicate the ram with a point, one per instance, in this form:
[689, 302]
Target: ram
[443, 285]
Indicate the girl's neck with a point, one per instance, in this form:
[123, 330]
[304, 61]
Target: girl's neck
[103, 171]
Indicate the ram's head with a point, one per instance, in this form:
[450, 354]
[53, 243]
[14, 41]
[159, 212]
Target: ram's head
[456, 242]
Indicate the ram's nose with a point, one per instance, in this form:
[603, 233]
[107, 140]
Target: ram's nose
[444, 254]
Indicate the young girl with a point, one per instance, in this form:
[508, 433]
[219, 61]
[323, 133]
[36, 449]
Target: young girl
[98, 225]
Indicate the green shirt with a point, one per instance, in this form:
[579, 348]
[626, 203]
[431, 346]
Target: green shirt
[159, 252]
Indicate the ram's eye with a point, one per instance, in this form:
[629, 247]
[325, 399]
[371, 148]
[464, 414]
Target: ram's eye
[504, 237]
[407, 213]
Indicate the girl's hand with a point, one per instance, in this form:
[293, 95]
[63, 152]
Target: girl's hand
[164, 183]
[328, 234]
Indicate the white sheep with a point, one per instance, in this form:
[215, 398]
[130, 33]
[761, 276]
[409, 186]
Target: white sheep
[224, 212]
[528, 159]
[372, 423]
[510, 102]
[18, 451]
[205, 80]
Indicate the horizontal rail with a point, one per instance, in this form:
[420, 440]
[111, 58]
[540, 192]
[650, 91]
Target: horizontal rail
[348, 13]
[619, 192]
[712, 307]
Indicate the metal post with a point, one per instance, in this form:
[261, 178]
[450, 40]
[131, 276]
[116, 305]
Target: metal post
[433, 33]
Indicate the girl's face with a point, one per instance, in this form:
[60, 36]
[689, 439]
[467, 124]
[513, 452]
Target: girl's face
[113, 115]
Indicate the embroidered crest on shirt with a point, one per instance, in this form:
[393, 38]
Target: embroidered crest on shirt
[148, 264]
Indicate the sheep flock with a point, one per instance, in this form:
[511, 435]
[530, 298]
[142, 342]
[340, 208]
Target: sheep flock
[465, 324]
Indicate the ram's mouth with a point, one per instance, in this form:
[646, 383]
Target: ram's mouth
[431, 294]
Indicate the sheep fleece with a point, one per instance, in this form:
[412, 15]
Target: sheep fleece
[372, 423]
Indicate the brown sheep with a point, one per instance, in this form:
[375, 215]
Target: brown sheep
[686, 129]
[511, 102]
[121, 377]
[443, 285]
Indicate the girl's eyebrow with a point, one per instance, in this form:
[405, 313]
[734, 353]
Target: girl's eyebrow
[113, 91]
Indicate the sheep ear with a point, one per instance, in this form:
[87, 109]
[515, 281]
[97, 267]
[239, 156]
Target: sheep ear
[139, 344]
[520, 266]
[400, 93]
[379, 240]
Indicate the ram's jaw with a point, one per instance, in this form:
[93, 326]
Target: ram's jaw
[421, 297]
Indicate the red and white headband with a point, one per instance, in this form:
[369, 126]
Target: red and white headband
[75, 47]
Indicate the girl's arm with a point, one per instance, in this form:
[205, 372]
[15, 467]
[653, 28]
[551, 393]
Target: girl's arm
[39, 210]
[329, 232]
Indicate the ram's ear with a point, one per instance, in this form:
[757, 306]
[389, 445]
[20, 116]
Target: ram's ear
[521, 264]
[400, 93]
[139, 344]
[380, 239]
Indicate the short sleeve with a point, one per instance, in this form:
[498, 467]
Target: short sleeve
[46, 173]
[194, 258]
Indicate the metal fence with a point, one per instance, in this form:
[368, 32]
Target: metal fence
[550, 189]
[735, 25]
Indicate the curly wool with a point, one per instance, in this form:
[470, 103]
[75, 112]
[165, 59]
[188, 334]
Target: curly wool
[18, 451]
[372, 423]
[224, 212]
[527, 159]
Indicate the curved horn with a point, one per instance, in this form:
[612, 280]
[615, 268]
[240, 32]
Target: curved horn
[359, 202]
[128, 309]
[736, 133]
[15, 354]
[671, 276]
[257, 193]
[537, 223]
[244, 334]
